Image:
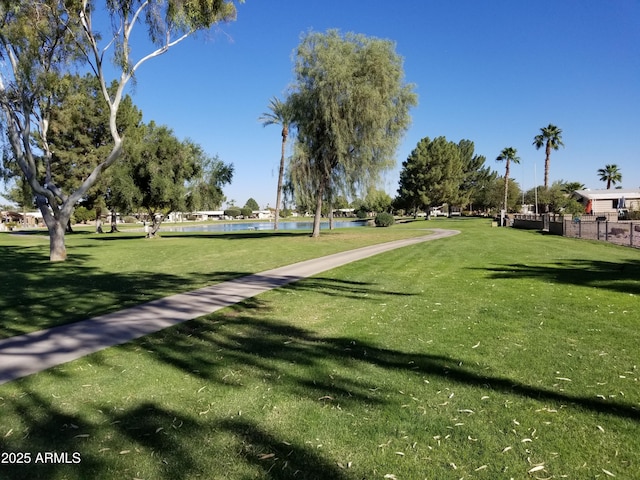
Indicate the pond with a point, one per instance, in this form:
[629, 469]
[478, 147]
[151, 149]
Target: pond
[235, 227]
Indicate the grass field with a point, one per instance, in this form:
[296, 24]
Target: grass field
[497, 353]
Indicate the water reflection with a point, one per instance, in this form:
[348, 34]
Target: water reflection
[234, 227]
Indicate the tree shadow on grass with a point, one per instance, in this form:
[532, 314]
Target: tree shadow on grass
[269, 347]
[623, 276]
[37, 294]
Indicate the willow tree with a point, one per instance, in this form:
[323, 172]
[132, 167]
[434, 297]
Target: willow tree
[42, 39]
[351, 108]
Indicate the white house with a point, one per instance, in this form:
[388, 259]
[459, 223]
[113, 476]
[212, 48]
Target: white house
[603, 202]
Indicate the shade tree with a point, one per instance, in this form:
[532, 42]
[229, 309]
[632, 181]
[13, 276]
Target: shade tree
[40, 39]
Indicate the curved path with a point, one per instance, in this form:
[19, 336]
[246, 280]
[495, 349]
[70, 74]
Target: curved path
[26, 354]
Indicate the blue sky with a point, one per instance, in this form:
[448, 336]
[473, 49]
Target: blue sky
[492, 72]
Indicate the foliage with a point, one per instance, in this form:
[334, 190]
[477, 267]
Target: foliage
[154, 174]
[246, 212]
[377, 200]
[551, 138]
[610, 174]
[431, 175]
[233, 212]
[555, 198]
[508, 155]
[362, 212]
[252, 204]
[129, 219]
[476, 176]
[83, 215]
[43, 40]
[491, 197]
[570, 187]
[384, 219]
[351, 108]
[204, 190]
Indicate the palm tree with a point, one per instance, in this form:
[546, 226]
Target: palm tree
[509, 155]
[610, 174]
[551, 136]
[570, 187]
[280, 114]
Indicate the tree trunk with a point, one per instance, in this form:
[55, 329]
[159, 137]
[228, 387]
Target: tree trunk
[506, 186]
[155, 226]
[114, 224]
[547, 160]
[57, 249]
[331, 216]
[318, 215]
[99, 220]
[280, 177]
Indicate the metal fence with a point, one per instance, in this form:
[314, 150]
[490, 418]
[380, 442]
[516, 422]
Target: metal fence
[601, 228]
[606, 228]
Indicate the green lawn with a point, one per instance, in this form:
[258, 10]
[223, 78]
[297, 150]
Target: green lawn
[496, 353]
[109, 272]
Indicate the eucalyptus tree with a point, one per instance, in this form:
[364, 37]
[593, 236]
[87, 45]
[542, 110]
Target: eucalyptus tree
[351, 108]
[281, 113]
[507, 155]
[551, 138]
[610, 174]
[40, 39]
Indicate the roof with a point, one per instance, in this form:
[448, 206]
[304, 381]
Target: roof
[611, 194]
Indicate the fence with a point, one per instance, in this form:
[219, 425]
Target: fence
[600, 228]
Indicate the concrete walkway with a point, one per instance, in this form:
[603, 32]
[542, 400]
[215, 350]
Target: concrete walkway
[26, 354]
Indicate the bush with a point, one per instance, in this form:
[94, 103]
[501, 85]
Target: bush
[246, 212]
[233, 212]
[284, 213]
[83, 215]
[633, 214]
[361, 213]
[384, 220]
[129, 219]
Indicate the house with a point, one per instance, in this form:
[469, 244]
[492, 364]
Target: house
[608, 202]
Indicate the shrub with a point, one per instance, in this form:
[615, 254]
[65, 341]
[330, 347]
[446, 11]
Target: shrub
[83, 215]
[129, 219]
[284, 213]
[633, 214]
[233, 212]
[361, 213]
[246, 212]
[384, 220]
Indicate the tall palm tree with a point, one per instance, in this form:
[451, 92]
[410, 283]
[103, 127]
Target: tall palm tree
[280, 114]
[610, 174]
[507, 155]
[551, 137]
